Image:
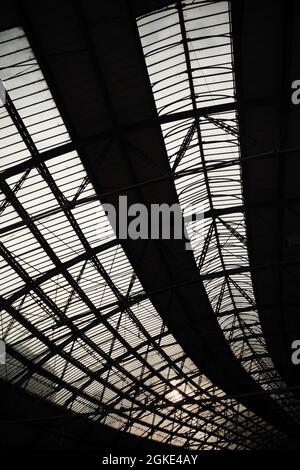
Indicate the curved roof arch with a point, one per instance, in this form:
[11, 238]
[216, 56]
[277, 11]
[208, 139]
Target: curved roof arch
[144, 336]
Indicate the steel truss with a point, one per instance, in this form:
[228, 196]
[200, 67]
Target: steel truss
[188, 52]
[79, 328]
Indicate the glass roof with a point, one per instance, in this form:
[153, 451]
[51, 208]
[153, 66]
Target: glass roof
[79, 329]
[188, 52]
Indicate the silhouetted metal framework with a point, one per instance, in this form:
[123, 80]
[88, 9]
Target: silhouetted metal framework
[188, 51]
[273, 242]
[80, 328]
